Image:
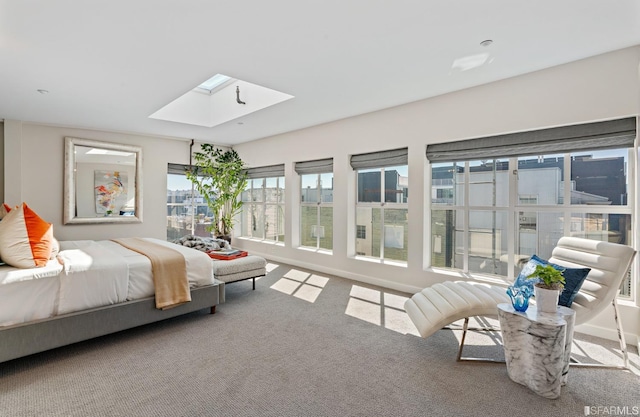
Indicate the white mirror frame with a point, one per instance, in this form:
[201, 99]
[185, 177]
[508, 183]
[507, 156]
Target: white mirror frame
[70, 182]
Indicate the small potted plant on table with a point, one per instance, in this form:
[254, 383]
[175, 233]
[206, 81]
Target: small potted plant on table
[548, 289]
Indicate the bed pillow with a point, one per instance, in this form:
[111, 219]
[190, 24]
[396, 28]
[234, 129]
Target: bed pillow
[25, 239]
[574, 277]
[4, 210]
[55, 248]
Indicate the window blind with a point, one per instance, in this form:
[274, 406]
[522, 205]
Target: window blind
[380, 159]
[320, 166]
[267, 171]
[177, 169]
[619, 133]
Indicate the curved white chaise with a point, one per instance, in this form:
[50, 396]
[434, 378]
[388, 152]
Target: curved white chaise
[444, 303]
[441, 304]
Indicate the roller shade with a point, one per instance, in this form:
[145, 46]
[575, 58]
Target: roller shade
[177, 169]
[381, 159]
[320, 166]
[264, 172]
[609, 134]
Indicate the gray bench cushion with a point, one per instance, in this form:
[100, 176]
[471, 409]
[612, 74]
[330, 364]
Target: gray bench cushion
[238, 269]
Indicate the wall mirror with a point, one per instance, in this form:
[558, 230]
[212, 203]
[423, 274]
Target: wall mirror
[102, 182]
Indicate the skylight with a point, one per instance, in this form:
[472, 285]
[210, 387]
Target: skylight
[214, 82]
[218, 100]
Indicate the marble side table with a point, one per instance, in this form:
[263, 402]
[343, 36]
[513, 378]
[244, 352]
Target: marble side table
[537, 347]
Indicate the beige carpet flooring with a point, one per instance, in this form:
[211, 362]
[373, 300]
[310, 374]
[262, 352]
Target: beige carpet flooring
[301, 344]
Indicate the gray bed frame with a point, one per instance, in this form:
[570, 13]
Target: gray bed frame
[37, 336]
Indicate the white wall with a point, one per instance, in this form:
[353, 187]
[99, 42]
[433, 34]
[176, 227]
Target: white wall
[42, 175]
[597, 88]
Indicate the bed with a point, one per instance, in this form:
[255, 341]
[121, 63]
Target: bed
[90, 289]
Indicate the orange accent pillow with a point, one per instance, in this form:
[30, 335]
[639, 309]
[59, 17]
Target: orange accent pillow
[25, 239]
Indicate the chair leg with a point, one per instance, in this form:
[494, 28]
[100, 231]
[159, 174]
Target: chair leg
[623, 346]
[465, 328]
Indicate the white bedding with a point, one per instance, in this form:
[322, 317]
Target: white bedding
[93, 274]
[28, 294]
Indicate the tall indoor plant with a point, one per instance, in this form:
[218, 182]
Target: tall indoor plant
[220, 177]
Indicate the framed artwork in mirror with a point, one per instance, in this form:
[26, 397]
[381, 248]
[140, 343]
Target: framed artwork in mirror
[102, 182]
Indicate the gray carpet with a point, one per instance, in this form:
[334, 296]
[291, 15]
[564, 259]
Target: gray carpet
[304, 345]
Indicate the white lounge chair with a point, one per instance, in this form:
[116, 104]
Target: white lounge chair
[444, 303]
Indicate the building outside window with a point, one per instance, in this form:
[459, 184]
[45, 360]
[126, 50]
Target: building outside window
[262, 214]
[381, 206]
[187, 212]
[527, 202]
[316, 203]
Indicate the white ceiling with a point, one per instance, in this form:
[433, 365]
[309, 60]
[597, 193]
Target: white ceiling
[110, 64]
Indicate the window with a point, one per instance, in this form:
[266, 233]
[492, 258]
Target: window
[316, 203]
[263, 204]
[444, 194]
[527, 201]
[381, 206]
[187, 213]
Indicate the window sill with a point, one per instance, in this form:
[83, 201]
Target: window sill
[627, 302]
[402, 264]
[455, 274]
[315, 250]
[267, 242]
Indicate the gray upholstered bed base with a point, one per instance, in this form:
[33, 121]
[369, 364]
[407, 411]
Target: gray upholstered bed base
[28, 338]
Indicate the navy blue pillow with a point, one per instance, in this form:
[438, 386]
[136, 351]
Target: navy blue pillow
[574, 277]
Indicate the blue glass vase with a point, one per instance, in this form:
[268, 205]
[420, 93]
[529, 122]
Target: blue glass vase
[519, 297]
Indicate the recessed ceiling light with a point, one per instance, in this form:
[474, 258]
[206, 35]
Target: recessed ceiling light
[469, 62]
[486, 42]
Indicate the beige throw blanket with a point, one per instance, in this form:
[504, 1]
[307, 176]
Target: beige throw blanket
[169, 271]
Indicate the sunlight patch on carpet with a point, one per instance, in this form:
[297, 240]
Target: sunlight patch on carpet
[296, 275]
[302, 285]
[286, 286]
[380, 308]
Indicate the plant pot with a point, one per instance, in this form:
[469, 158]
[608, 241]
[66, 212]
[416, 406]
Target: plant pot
[546, 300]
[224, 237]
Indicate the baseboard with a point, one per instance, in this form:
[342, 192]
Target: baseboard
[409, 289]
[610, 334]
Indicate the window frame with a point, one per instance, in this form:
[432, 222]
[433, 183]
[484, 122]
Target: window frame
[515, 207]
[174, 169]
[381, 205]
[263, 205]
[319, 204]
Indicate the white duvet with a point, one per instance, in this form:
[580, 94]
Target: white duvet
[88, 274]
